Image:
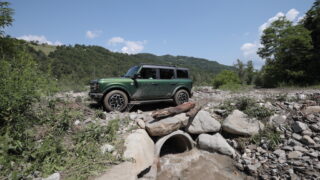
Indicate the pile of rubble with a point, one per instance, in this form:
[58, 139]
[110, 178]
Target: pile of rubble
[296, 142]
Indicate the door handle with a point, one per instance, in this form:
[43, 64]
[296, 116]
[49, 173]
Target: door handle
[154, 84]
[173, 83]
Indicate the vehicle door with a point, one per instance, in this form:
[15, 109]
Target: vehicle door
[166, 83]
[146, 84]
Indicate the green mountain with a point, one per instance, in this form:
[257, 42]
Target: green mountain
[81, 63]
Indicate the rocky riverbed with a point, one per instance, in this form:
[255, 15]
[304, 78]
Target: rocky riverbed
[257, 134]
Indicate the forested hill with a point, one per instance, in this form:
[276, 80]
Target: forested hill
[80, 63]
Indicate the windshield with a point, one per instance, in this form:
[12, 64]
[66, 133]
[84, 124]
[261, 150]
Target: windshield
[132, 71]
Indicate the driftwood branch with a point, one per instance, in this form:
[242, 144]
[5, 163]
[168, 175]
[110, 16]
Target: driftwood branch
[159, 114]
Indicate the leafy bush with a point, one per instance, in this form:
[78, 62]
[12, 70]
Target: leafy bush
[226, 77]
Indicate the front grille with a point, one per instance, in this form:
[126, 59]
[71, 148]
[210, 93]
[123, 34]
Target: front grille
[94, 86]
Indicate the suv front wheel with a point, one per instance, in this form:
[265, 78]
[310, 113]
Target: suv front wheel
[181, 97]
[115, 101]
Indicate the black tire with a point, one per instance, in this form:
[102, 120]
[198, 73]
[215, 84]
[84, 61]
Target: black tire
[181, 97]
[115, 100]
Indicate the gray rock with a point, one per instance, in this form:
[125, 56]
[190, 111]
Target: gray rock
[315, 128]
[307, 140]
[287, 148]
[307, 132]
[106, 148]
[122, 171]
[277, 119]
[215, 143]
[252, 168]
[298, 126]
[133, 116]
[141, 123]
[294, 155]
[166, 126]
[54, 176]
[238, 123]
[140, 147]
[312, 110]
[296, 136]
[279, 153]
[292, 142]
[300, 148]
[203, 123]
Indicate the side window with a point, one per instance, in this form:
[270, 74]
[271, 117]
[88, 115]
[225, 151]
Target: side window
[148, 73]
[182, 73]
[166, 73]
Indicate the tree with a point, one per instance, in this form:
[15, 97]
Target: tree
[312, 23]
[249, 71]
[286, 49]
[5, 16]
[240, 68]
[225, 77]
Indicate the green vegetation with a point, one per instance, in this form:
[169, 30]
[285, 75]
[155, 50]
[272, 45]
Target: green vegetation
[292, 52]
[51, 142]
[269, 136]
[45, 48]
[38, 135]
[248, 106]
[226, 78]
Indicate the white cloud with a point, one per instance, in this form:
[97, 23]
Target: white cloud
[116, 40]
[300, 18]
[292, 14]
[270, 20]
[249, 49]
[93, 34]
[133, 47]
[39, 39]
[129, 47]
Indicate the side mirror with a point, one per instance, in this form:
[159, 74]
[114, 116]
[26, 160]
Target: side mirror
[136, 76]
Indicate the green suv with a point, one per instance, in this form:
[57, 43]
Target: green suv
[143, 84]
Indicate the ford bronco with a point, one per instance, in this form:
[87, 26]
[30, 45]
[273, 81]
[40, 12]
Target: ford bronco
[143, 84]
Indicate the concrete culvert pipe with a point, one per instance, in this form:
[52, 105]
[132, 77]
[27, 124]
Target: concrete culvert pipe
[176, 142]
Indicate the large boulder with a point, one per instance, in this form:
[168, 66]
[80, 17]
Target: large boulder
[238, 123]
[215, 143]
[203, 123]
[140, 147]
[166, 126]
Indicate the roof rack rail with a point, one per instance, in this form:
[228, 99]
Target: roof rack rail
[141, 64]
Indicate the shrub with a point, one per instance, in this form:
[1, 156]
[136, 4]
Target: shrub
[248, 105]
[269, 136]
[226, 77]
[21, 84]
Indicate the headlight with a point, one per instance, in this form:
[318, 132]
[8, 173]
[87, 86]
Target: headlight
[94, 86]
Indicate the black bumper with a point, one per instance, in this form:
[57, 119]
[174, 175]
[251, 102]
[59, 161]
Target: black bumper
[96, 96]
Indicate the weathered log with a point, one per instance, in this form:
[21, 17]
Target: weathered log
[159, 114]
[193, 112]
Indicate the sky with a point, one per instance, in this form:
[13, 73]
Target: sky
[220, 30]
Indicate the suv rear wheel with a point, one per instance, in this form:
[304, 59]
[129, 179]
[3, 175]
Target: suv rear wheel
[115, 101]
[181, 97]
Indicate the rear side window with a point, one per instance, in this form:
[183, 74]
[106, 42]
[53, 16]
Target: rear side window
[182, 73]
[148, 73]
[166, 73]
